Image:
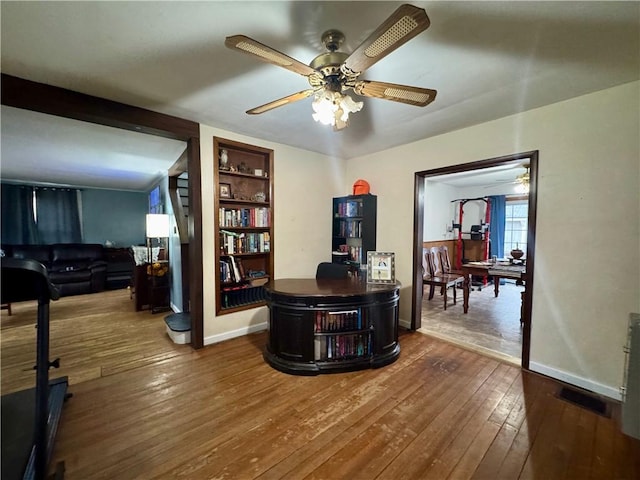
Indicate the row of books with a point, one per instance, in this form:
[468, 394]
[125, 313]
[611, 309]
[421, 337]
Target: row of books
[341, 347]
[353, 253]
[350, 228]
[350, 208]
[245, 242]
[231, 270]
[348, 320]
[244, 217]
[242, 295]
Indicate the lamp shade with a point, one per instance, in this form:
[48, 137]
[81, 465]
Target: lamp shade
[157, 225]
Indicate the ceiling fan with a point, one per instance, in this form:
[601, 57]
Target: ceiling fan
[521, 181]
[333, 73]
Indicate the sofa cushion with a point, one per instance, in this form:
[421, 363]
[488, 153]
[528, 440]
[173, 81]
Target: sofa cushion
[70, 266]
[70, 252]
[39, 253]
[70, 277]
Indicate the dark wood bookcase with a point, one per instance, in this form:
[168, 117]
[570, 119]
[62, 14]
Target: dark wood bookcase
[243, 224]
[354, 228]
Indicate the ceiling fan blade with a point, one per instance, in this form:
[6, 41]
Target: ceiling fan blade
[404, 24]
[420, 97]
[268, 54]
[282, 101]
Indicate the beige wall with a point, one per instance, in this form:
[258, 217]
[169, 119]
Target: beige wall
[588, 214]
[304, 184]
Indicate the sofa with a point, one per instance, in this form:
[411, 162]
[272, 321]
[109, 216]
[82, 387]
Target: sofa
[74, 268]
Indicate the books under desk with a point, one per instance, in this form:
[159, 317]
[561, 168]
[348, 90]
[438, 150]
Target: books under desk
[341, 335]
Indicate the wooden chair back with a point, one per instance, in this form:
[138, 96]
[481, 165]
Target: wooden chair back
[425, 263]
[432, 268]
[437, 263]
[445, 261]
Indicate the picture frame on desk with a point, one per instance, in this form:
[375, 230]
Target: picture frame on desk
[381, 267]
[225, 190]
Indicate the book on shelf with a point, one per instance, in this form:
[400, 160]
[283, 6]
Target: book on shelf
[258, 282]
[338, 321]
[245, 242]
[350, 228]
[341, 346]
[244, 217]
[350, 208]
[241, 295]
[231, 269]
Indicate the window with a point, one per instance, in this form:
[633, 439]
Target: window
[40, 215]
[515, 230]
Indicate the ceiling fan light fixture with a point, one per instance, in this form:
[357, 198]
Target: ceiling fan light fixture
[522, 182]
[333, 107]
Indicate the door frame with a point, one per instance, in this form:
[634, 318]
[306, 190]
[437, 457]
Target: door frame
[418, 228]
[39, 97]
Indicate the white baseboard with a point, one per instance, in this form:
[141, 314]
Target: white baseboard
[220, 337]
[405, 324]
[605, 390]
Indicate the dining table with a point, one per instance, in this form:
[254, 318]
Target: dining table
[496, 270]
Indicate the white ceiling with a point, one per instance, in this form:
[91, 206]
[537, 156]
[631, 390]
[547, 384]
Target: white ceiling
[502, 176]
[39, 148]
[487, 60]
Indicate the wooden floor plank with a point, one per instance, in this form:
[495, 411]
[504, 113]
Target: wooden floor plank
[421, 452]
[146, 408]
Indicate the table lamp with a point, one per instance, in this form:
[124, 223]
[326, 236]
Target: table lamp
[157, 227]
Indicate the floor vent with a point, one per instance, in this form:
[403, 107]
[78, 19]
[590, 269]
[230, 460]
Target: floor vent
[585, 400]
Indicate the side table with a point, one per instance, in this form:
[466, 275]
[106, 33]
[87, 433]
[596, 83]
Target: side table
[151, 291]
[159, 293]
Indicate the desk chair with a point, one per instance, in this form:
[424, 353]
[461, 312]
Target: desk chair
[435, 277]
[332, 270]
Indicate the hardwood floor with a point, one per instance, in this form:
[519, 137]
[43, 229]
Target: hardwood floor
[492, 324]
[150, 409]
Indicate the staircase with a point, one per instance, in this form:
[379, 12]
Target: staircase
[179, 194]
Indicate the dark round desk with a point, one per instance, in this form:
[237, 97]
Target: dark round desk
[329, 325]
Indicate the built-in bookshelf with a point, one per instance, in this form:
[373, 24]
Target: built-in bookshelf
[243, 224]
[354, 228]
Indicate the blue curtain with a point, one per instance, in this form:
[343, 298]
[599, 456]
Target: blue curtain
[18, 220]
[497, 225]
[58, 215]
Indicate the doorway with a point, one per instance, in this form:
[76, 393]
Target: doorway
[424, 202]
[29, 95]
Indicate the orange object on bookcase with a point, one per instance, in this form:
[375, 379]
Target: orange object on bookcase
[361, 187]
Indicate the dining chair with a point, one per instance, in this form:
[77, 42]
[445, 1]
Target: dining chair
[445, 261]
[435, 277]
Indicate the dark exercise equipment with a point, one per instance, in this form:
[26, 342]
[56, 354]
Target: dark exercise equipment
[30, 417]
